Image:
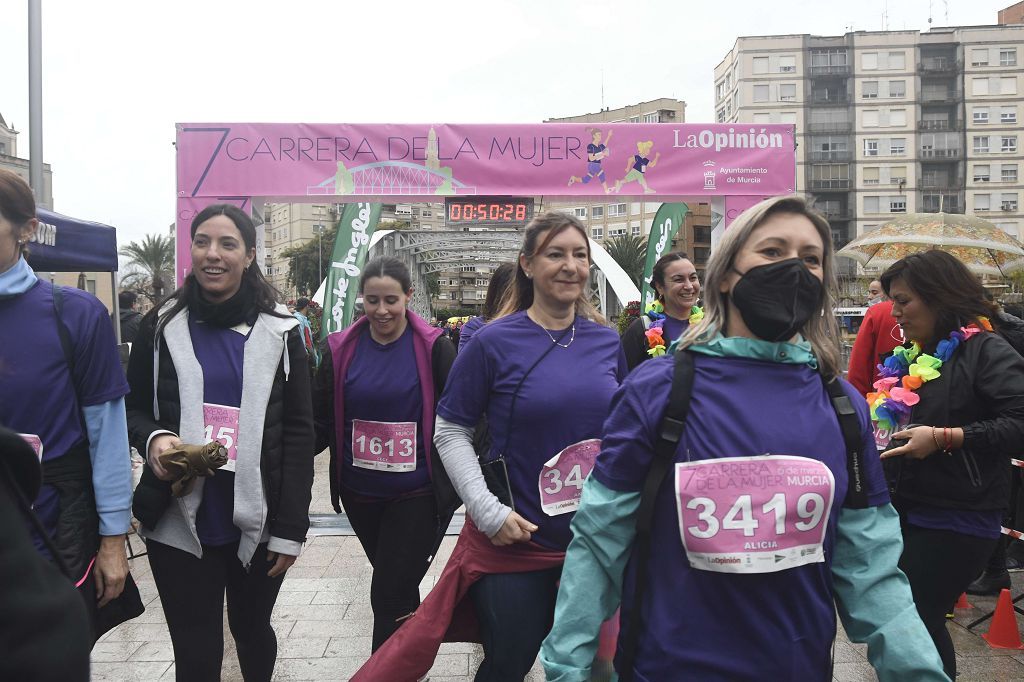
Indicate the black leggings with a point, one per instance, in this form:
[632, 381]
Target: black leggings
[940, 564]
[192, 595]
[398, 537]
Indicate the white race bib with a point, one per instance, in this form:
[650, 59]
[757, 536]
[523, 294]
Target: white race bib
[384, 446]
[753, 514]
[222, 426]
[562, 477]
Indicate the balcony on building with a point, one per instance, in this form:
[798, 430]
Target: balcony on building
[941, 180]
[829, 61]
[935, 93]
[829, 95]
[830, 126]
[817, 155]
[939, 64]
[824, 184]
[940, 124]
[947, 202]
[940, 154]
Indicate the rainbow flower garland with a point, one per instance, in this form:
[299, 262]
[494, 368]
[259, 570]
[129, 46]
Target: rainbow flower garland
[656, 312]
[906, 370]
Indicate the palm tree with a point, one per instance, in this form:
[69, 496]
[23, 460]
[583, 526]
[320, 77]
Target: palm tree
[150, 266]
[630, 253]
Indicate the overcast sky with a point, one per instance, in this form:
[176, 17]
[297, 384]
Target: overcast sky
[118, 74]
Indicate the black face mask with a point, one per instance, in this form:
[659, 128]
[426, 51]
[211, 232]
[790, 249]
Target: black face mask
[777, 300]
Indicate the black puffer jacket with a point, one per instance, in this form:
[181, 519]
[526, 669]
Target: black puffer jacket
[286, 464]
[980, 389]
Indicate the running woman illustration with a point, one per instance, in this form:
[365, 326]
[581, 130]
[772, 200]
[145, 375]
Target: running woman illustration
[637, 167]
[595, 153]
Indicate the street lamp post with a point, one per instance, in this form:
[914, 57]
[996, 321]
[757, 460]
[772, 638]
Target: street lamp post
[319, 229]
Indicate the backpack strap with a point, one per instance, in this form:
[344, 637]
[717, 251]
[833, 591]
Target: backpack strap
[669, 433]
[62, 330]
[849, 424]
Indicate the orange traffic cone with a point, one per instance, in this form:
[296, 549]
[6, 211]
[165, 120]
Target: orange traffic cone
[962, 602]
[1004, 633]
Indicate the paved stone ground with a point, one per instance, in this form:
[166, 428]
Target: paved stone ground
[323, 623]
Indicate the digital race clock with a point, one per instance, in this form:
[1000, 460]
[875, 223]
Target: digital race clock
[488, 211]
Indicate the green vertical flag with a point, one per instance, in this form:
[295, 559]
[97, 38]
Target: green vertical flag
[666, 223]
[355, 228]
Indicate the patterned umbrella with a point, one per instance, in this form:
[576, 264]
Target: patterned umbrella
[981, 246]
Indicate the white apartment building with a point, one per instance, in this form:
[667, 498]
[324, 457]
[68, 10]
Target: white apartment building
[890, 122]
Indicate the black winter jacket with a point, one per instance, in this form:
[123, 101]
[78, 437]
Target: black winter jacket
[980, 389]
[287, 461]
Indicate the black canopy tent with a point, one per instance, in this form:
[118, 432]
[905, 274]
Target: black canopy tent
[65, 244]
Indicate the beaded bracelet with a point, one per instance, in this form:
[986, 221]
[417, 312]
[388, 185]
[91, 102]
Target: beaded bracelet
[935, 438]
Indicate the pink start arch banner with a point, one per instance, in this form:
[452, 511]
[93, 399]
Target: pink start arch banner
[427, 162]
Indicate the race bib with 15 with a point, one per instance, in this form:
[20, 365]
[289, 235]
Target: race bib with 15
[562, 477]
[384, 446]
[753, 514]
[222, 426]
[883, 436]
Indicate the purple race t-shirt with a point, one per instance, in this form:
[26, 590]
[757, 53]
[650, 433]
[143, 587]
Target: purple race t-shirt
[563, 401]
[673, 328]
[740, 410]
[383, 386]
[37, 393]
[469, 329]
[220, 352]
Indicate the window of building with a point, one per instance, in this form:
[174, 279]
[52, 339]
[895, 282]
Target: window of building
[869, 61]
[616, 230]
[787, 63]
[897, 88]
[635, 230]
[898, 146]
[869, 89]
[898, 175]
[982, 202]
[1008, 173]
[427, 214]
[787, 92]
[597, 232]
[1008, 115]
[1009, 201]
[635, 208]
[580, 212]
[980, 115]
[615, 210]
[597, 211]
[871, 204]
[652, 118]
[982, 173]
[897, 204]
[1008, 86]
[897, 61]
[979, 86]
[720, 116]
[787, 117]
[870, 119]
[762, 117]
[760, 64]
[1008, 144]
[1010, 229]
[979, 57]
[870, 147]
[871, 176]
[1008, 56]
[898, 118]
[760, 93]
[981, 145]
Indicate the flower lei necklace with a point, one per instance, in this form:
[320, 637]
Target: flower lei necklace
[656, 313]
[906, 370]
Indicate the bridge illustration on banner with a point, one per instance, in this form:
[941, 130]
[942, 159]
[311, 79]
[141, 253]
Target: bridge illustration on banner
[392, 178]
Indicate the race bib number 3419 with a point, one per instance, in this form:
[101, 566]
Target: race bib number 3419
[753, 514]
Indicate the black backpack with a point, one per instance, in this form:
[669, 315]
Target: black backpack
[669, 432]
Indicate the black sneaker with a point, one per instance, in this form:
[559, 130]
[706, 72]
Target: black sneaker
[990, 583]
[1014, 564]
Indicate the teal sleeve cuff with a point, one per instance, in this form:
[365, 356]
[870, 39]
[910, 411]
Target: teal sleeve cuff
[874, 599]
[111, 464]
[603, 531]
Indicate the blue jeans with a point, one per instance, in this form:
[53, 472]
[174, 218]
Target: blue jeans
[515, 611]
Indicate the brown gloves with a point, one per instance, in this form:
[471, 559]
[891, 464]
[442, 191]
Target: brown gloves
[187, 462]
